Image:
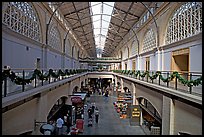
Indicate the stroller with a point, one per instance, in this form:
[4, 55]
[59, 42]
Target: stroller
[90, 122]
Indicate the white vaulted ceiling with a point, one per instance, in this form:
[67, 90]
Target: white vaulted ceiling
[101, 26]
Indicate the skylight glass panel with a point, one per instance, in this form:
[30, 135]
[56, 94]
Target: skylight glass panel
[96, 18]
[106, 18]
[104, 32]
[105, 24]
[97, 24]
[101, 16]
[96, 9]
[107, 9]
[96, 31]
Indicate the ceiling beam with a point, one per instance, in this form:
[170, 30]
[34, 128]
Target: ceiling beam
[76, 11]
[79, 19]
[81, 25]
[128, 11]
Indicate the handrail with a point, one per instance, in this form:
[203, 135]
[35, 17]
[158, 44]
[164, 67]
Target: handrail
[172, 76]
[35, 79]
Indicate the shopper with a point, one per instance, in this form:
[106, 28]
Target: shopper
[93, 107]
[90, 112]
[65, 119]
[96, 114]
[60, 123]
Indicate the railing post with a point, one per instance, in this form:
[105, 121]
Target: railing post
[35, 80]
[167, 81]
[147, 77]
[5, 87]
[159, 78]
[49, 79]
[42, 79]
[23, 85]
[152, 75]
[176, 83]
[190, 88]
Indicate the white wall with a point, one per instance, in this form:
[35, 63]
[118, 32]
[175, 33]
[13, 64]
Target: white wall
[123, 65]
[167, 61]
[142, 63]
[195, 58]
[53, 60]
[125, 54]
[67, 63]
[129, 64]
[15, 55]
[153, 62]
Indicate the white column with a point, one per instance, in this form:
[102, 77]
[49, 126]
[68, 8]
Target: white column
[63, 61]
[141, 118]
[129, 64]
[167, 116]
[122, 90]
[159, 60]
[116, 80]
[134, 94]
[41, 115]
[162, 60]
[44, 56]
[138, 62]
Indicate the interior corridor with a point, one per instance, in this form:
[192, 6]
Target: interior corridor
[109, 120]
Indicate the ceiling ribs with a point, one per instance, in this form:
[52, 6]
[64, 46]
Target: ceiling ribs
[124, 17]
[76, 11]
[79, 19]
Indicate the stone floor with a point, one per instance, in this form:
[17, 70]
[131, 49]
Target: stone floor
[109, 121]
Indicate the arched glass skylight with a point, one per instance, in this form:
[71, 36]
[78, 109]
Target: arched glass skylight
[101, 16]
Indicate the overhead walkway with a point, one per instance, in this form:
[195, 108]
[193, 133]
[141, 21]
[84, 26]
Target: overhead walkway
[99, 60]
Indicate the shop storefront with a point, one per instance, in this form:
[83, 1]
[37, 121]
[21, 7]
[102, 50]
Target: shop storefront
[123, 104]
[78, 100]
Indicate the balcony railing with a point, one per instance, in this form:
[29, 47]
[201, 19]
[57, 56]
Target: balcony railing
[188, 82]
[19, 80]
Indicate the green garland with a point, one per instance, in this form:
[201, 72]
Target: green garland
[39, 75]
[175, 74]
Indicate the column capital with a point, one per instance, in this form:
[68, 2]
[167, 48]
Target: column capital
[44, 46]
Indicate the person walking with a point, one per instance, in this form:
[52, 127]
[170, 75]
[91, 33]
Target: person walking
[93, 107]
[96, 114]
[60, 123]
[90, 112]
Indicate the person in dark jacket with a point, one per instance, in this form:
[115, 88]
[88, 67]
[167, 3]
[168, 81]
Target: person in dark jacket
[96, 114]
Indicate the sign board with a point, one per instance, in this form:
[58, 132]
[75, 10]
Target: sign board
[76, 99]
[135, 114]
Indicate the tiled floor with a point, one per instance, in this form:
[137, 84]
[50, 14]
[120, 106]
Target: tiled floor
[109, 121]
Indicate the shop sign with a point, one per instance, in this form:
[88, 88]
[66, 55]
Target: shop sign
[135, 112]
[76, 99]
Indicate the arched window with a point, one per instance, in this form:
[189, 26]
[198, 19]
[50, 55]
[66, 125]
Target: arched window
[54, 38]
[185, 22]
[22, 18]
[134, 49]
[68, 47]
[149, 41]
